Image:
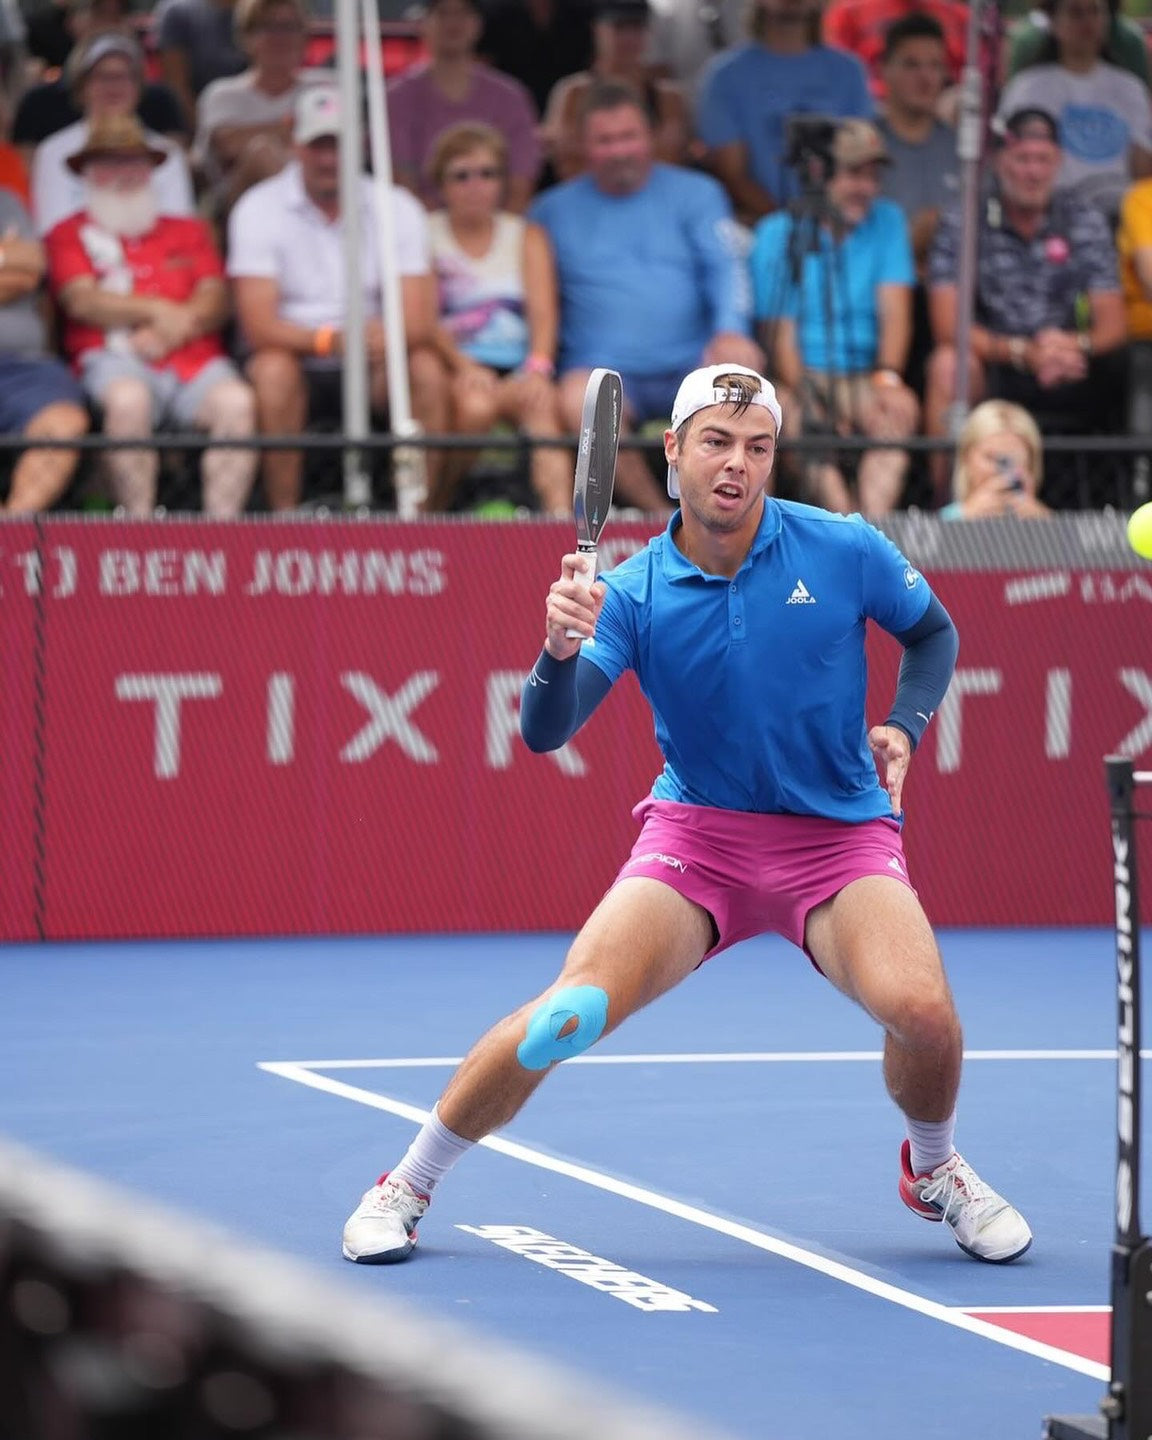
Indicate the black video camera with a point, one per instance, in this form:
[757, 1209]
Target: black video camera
[808, 147]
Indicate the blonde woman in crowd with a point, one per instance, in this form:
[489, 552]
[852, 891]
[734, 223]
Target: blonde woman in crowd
[999, 465]
[498, 305]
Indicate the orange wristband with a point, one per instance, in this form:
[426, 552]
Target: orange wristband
[324, 340]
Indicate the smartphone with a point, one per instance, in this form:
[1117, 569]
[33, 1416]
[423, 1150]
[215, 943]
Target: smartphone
[1008, 467]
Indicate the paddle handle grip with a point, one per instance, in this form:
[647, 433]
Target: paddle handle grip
[584, 577]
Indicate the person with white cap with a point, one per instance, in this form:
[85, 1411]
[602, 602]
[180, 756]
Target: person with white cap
[107, 73]
[744, 622]
[286, 260]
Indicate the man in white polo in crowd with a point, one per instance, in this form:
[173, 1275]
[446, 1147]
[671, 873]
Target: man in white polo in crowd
[286, 260]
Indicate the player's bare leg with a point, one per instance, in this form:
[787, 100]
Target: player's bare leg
[873, 941]
[641, 941]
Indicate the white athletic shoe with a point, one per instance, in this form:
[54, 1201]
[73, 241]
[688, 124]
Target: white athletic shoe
[984, 1224]
[382, 1228]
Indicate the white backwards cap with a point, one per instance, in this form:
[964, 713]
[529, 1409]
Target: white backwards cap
[699, 390]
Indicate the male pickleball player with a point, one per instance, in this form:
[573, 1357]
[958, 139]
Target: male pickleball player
[744, 622]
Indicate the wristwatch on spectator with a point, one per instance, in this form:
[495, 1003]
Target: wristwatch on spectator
[886, 379]
[1018, 351]
[1084, 340]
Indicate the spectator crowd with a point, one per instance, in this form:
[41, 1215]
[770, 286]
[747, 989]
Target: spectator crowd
[576, 183]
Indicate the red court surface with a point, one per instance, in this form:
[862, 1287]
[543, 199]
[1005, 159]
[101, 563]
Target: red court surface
[1080, 1332]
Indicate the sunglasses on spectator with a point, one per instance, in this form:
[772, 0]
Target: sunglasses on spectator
[476, 172]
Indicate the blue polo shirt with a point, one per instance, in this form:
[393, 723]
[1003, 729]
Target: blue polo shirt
[757, 684]
[849, 274]
[645, 279]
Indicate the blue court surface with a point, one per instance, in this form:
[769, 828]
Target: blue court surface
[731, 1149]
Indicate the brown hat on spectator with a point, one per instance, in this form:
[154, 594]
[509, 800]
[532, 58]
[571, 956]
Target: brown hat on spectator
[116, 137]
[858, 142]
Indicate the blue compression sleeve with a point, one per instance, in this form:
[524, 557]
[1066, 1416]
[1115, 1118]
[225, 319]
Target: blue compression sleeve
[930, 650]
[558, 696]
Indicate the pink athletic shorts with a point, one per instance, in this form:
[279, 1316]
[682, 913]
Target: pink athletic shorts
[758, 873]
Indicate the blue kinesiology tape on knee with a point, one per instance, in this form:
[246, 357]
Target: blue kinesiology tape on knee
[543, 1043]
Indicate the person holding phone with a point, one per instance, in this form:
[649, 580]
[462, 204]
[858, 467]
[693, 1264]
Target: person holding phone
[999, 465]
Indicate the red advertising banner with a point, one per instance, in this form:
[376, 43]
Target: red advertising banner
[1007, 812]
[311, 727]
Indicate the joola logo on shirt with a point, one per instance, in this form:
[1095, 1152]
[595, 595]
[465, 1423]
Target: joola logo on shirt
[801, 595]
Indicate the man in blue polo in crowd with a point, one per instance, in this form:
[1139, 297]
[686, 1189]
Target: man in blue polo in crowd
[652, 273]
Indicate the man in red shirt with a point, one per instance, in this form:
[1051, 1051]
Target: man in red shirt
[144, 301]
[860, 26]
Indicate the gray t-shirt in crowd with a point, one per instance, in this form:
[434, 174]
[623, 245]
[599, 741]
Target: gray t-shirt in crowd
[202, 29]
[21, 321]
[924, 176]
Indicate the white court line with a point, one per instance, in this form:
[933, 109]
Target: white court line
[834, 1269]
[734, 1057]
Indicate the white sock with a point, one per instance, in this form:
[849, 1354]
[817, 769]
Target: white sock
[931, 1142]
[430, 1156]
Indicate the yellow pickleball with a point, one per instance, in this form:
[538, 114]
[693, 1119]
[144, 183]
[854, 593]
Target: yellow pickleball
[1140, 531]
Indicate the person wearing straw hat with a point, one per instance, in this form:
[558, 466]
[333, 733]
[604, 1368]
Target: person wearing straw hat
[144, 302]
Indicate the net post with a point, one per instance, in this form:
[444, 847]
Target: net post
[1126, 1408]
[1120, 777]
[1128, 1404]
